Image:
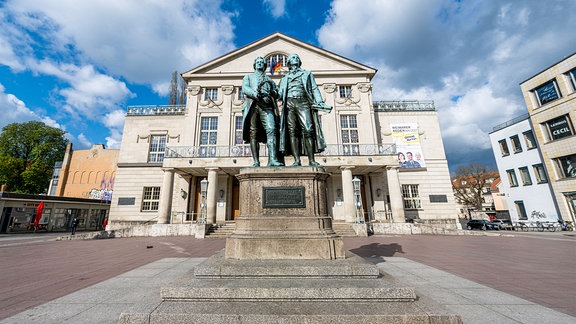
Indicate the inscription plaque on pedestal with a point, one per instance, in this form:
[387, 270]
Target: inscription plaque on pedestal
[283, 197]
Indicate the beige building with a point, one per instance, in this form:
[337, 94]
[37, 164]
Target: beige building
[167, 151]
[87, 173]
[551, 101]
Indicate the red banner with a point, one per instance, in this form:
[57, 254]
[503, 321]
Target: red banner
[38, 214]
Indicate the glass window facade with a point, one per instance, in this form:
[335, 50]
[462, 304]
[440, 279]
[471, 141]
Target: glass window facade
[504, 147]
[567, 166]
[521, 210]
[208, 136]
[211, 94]
[547, 92]
[540, 173]
[349, 132]
[345, 91]
[411, 195]
[525, 174]
[150, 198]
[512, 178]
[530, 140]
[559, 127]
[516, 144]
[157, 148]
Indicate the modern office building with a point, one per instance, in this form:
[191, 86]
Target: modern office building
[550, 97]
[179, 163]
[523, 176]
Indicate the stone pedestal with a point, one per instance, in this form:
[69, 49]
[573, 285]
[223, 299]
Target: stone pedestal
[283, 215]
[285, 264]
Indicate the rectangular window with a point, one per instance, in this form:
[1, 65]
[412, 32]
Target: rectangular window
[529, 139]
[521, 210]
[540, 173]
[208, 136]
[240, 94]
[211, 94]
[349, 132]
[240, 148]
[572, 77]
[504, 147]
[411, 197]
[150, 198]
[345, 91]
[516, 144]
[157, 148]
[567, 166]
[547, 92]
[525, 174]
[512, 178]
[559, 127]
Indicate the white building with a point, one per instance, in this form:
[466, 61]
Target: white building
[167, 151]
[522, 172]
[550, 98]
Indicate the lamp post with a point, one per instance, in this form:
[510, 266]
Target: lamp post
[357, 201]
[203, 192]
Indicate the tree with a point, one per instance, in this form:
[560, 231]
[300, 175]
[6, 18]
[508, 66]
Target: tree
[28, 152]
[471, 182]
[177, 86]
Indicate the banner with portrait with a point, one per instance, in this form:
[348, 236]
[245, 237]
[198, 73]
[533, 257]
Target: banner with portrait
[408, 149]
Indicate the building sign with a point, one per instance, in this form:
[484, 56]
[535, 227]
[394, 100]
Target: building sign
[408, 147]
[559, 127]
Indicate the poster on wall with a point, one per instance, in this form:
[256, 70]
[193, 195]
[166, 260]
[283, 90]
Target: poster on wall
[408, 147]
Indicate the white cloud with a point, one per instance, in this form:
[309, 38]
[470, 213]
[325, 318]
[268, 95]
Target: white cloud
[276, 7]
[84, 141]
[14, 110]
[175, 35]
[469, 57]
[90, 93]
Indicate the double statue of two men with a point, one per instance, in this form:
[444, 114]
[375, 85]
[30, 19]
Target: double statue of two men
[297, 128]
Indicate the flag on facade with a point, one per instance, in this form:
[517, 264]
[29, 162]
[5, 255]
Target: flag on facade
[38, 214]
[275, 66]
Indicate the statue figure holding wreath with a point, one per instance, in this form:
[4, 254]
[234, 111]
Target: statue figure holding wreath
[260, 118]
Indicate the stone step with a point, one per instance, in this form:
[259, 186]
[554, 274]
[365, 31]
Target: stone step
[351, 290]
[326, 312]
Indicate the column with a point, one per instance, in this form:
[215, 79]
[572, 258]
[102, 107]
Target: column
[348, 193]
[165, 204]
[211, 195]
[395, 192]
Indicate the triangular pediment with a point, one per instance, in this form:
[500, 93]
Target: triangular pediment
[239, 62]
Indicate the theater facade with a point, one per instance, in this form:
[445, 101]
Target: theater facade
[386, 159]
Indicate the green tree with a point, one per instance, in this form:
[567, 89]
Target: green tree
[28, 152]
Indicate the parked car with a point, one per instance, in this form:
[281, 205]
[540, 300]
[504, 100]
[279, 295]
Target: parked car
[478, 224]
[501, 224]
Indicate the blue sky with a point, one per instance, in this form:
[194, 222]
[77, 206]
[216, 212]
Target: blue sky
[76, 65]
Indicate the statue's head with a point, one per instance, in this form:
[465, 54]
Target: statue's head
[294, 59]
[262, 60]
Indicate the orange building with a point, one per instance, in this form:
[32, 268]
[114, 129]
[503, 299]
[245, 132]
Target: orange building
[88, 173]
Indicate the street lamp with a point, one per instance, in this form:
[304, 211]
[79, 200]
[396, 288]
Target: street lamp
[203, 192]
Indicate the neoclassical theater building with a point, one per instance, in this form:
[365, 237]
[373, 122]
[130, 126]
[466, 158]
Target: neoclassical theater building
[386, 159]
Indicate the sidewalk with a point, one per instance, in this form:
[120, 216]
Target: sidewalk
[100, 279]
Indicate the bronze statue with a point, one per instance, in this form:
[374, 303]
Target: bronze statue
[260, 113]
[301, 100]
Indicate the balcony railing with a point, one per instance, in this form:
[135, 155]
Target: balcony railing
[156, 110]
[244, 151]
